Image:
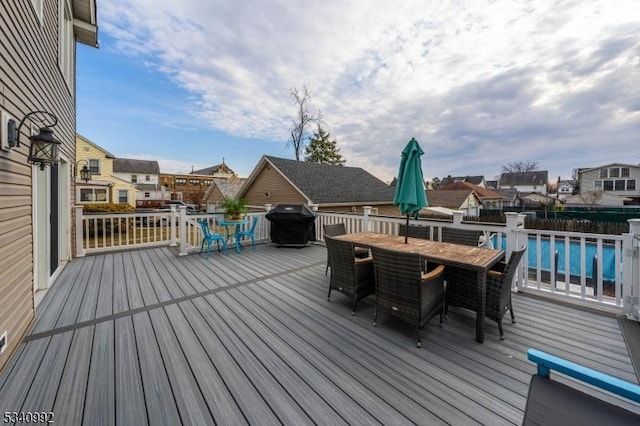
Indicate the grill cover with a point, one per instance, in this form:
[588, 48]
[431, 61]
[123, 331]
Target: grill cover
[292, 224]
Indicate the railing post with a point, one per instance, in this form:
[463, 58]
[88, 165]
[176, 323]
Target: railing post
[80, 252]
[457, 219]
[172, 227]
[366, 224]
[182, 230]
[514, 221]
[631, 271]
[268, 207]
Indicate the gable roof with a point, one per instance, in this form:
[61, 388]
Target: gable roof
[480, 191]
[476, 180]
[537, 177]
[228, 187]
[326, 183]
[218, 168]
[98, 147]
[588, 169]
[452, 199]
[129, 165]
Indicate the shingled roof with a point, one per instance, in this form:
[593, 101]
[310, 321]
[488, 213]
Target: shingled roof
[329, 184]
[128, 165]
[218, 168]
[476, 180]
[480, 191]
[452, 199]
[538, 177]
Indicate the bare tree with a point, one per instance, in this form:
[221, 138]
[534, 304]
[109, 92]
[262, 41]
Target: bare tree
[520, 166]
[302, 119]
[591, 198]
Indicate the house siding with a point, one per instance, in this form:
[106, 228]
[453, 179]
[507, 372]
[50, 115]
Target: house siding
[270, 181]
[589, 177]
[30, 80]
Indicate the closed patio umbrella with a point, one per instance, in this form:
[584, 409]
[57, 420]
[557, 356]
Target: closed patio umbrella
[410, 194]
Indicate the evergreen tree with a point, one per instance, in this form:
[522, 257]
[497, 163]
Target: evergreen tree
[322, 150]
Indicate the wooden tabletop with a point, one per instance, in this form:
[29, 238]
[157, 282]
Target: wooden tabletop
[435, 251]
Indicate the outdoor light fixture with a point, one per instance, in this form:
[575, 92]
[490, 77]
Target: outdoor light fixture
[85, 173]
[44, 147]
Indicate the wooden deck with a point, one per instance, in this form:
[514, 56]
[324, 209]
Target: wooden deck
[146, 337]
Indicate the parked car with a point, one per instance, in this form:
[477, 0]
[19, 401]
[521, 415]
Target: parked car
[178, 203]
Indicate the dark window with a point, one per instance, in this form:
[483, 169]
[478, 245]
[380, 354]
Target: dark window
[625, 172]
[94, 166]
[620, 185]
[614, 172]
[608, 185]
[603, 173]
[631, 185]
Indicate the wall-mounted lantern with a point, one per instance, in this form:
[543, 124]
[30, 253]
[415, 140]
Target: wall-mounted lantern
[44, 147]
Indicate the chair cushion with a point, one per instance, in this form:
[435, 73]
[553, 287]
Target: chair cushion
[553, 403]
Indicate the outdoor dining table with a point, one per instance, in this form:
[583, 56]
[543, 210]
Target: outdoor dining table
[454, 255]
[231, 223]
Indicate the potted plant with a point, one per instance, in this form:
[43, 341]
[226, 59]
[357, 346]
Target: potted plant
[234, 208]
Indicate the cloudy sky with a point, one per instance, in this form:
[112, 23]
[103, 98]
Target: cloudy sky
[479, 83]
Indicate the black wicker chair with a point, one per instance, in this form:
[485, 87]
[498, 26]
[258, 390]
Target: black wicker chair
[339, 229]
[462, 289]
[499, 280]
[423, 232]
[350, 275]
[461, 236]
[402, 290]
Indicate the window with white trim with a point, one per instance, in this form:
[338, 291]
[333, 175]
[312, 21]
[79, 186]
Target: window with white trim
[614, 172]
[631, 185]
[123, 196]
[624, 172]
[147, 178]
[92, 195]
[147, 195]
[94, 166]
[603, 173]
[65, 41]
[134, 178]
[619, 185]
[597, 185]
[608, 185]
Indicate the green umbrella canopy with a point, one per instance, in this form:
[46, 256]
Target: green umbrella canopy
[410, 193]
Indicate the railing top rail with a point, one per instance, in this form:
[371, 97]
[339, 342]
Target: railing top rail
[573, 234]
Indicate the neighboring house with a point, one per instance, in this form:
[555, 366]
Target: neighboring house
[465, 200]
[596, 199]
[490, 200]
[565, 188]
[102, 187]
[614, 179]
[332, 188]
[525, 182]
[220, 189]
[475, 180]
[221, 171]
[509, 197]
[38, 73]
[190, 188]
[536, 199]
[492, 184]
[145, 176]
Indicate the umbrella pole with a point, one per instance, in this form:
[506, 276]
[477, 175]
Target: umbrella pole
[406, 234]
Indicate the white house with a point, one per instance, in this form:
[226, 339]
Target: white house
[613, 179]
[535, 181]
[145, 175]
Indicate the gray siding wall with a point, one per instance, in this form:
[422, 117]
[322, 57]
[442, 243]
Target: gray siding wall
[30, 79]
[587, 179]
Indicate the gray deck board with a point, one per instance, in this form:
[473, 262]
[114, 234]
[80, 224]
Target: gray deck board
[129, 395]
[69, 404]
[147, 337]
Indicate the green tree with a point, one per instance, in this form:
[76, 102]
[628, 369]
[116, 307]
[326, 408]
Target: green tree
[322, 150]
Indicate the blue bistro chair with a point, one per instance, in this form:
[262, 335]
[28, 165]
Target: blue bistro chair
[209, 237]
[251, 233]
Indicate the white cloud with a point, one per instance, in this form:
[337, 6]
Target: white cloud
[479, 83]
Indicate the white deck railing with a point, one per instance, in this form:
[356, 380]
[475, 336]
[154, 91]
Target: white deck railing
[601, 270]
[99, 233]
